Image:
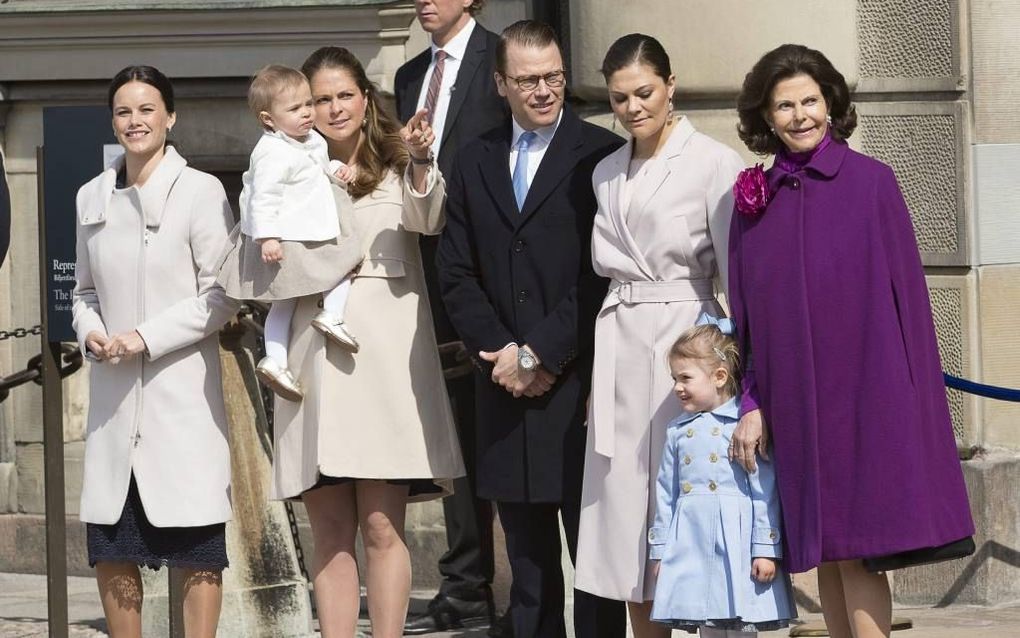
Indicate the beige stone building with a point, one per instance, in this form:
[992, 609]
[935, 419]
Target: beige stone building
[936, 86]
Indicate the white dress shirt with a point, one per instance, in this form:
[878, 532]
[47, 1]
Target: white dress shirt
[537, 148]
[455, 51]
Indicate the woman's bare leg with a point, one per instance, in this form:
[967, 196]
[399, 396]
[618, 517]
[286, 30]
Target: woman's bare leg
[868, 600]
[381, 510]
[333, 515]
[641, 625]
[830, 592]
[120, 589]
[203, 598]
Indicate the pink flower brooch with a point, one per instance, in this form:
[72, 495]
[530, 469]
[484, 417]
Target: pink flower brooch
[751, 191]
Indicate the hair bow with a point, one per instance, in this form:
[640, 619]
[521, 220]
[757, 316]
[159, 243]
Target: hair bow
[725, 325]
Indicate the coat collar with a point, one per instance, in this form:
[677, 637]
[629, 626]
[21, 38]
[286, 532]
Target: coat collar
[729, 411]
[657, 169]
[825, 164]
[152, 195]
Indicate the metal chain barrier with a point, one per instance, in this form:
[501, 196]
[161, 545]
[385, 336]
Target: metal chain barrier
[18, 333]
[70, 362]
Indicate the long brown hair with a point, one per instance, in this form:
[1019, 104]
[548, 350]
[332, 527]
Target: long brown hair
[382, 150]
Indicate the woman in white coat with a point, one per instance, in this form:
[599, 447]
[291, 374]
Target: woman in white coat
[660, 237]
[156, 489]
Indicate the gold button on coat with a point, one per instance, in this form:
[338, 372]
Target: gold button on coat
[690, 432]
[687, 487]
[712, 485]
[715, 431]
[687, 459]
[713, 457]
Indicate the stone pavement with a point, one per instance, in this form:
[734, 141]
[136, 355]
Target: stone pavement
[23, 614]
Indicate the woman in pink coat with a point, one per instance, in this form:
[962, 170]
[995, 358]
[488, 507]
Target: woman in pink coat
[660, 237]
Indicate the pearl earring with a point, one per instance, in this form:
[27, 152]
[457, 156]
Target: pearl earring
[828, 119]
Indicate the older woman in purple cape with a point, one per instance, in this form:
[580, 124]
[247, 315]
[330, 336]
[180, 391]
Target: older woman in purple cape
[832, 312]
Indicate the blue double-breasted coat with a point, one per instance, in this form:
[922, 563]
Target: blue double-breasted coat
[712, 518]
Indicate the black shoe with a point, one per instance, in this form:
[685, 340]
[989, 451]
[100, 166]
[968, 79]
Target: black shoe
[503, 627]
[445, 613]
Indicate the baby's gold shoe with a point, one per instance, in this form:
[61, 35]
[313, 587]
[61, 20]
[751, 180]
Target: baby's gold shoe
[278, 379]
[335, 330]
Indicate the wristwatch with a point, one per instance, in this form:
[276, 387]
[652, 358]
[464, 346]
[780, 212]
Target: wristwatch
[525, 360]
[424, 161]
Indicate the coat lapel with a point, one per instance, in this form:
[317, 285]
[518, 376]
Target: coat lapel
[496, 173]
[618, 207]
[658, 171]
[559, 160]
[413, 88]
[473, 56]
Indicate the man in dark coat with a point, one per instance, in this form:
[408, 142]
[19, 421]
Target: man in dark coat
[5, 214]
[459, 66]
[516, 277]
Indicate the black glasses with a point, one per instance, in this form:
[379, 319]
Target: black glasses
[553, 80]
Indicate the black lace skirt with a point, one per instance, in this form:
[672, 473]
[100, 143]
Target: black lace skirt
[133, 539]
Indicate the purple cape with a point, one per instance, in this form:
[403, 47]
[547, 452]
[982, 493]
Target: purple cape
[829, 298]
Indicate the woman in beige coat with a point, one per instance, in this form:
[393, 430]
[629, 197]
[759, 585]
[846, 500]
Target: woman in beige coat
[156, 489]
[660, 237]
[375, 428]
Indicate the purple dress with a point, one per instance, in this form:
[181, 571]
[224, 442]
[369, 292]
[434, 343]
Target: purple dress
[830, 301]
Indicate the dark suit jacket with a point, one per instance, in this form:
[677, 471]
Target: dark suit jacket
[526, 277]
[475, 107]
[5, 214]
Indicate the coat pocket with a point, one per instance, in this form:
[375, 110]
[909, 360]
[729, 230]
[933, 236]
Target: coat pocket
[386, 268]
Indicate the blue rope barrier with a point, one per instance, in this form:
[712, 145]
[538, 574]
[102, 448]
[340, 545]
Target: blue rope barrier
[980, 389]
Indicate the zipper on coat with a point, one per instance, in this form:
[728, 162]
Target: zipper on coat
[140, 316]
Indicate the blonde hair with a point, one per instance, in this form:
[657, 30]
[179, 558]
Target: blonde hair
[708, 343]
[267, 84]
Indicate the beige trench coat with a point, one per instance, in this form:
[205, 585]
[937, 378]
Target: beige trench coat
[382, 413]
[151, 267]
[662, 247]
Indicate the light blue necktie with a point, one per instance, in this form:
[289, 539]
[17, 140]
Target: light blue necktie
[521, 168]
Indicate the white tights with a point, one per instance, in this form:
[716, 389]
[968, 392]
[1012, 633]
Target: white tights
[335, 301]
[713, 632]
[277, 330]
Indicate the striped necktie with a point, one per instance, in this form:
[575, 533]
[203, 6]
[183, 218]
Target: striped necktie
[432, 96]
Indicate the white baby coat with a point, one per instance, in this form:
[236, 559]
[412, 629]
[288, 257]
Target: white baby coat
[285, 192]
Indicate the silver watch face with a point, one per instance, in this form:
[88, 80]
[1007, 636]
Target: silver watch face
[525, 360]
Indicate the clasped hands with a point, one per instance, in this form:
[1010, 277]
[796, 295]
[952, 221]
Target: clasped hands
[113, 349]
[520, 383]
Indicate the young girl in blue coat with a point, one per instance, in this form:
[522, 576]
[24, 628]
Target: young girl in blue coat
[716, 539]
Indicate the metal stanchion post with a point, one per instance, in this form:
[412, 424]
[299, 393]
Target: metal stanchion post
[53, 448]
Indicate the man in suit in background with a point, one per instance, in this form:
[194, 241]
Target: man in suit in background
[5, 214]
[452, 79]
[516, 277]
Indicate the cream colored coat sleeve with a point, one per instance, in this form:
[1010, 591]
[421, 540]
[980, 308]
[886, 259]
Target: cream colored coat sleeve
[719, 203]
[190, 320]
[85, 310]
[424, 212]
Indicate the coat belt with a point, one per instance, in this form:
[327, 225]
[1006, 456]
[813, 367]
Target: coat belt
[602, 411]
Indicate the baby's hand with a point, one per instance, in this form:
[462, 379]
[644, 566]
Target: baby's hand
[763, 570]
[346, 174]
[272, 251]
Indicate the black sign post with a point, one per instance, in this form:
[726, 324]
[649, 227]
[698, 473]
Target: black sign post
[72, 154]
[5, 214]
